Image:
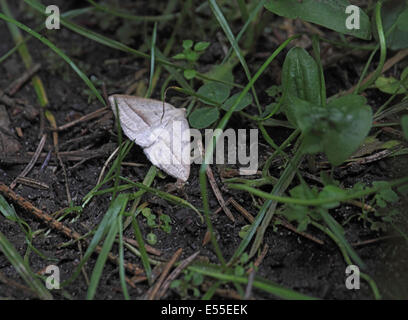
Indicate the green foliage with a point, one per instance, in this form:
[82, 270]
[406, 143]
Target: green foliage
[151, 238]
[304, 215]
[151, 220]
[329, 13]
[385, 195]
[337, 129]
[203, 117]
[395, 15]
[191, 53]
[189, 283]
[216, 94]
[391, 85]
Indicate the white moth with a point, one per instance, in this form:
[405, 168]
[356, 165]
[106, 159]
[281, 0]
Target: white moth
[164, 137]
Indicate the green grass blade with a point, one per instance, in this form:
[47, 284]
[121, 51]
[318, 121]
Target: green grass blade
[102, 229]
[58, 52]
[142, 249]
[23, 269]
[165, 195]
[103, 256]
[152, 61]
[230, 36]
[122, 275]
[259, 283]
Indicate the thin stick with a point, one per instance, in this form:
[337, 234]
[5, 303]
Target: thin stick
[59, 226]
[86, 117]
[20, 81]
[183, 264]
[214, 186]
[32, 162]
[174, 258]
[259, 260]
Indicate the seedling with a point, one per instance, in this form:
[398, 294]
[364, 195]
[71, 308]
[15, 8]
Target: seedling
[191, 54]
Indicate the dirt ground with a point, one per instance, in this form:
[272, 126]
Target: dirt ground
[292, 261]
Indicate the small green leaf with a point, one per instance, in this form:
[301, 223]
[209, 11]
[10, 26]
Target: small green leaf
[390, 85]
[146, 212]
[201, 46]
[175, 284]
[190, 74]
[244, 231]
[203, 117]
[214, 91]
[244, 258]
[198, 279]
[191, 56]
[151, 238]
[179, 56]
[245, 102]
[187, 44]
[239, 270]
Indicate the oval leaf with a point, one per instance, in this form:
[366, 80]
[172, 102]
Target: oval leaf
[300, 80]
[349, 123]
[203, 117]
[214, 91]
[329, 13]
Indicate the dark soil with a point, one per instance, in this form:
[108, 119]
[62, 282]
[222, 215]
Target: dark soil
[292, 261]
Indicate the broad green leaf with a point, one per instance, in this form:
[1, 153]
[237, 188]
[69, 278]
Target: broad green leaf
[396, 12]
[328, 13]
[245, 102]
[214, 91]
[203, 117]
[350, 121]
[300, 80]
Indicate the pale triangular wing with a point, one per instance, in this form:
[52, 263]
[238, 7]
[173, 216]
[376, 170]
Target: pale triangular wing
[164, 137]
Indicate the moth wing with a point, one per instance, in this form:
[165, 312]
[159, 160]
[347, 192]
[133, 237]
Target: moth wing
[165, 138]
[138, 116]
[171, 149]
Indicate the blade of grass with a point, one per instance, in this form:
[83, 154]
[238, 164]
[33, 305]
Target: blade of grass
[210, 149]
[259, 283]
[58, 52]
[122, 275]
[143, 254]
[164, 195]
[115, 44]
[23, 269]
[230, 36]
[103, 255]
[107, 221]
[152, 61]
